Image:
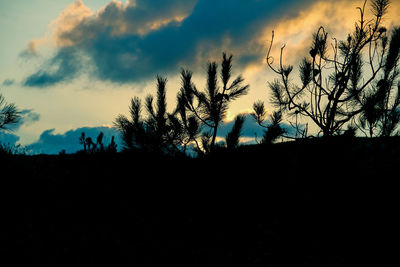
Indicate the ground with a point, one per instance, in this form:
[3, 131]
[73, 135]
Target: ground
[305, 203]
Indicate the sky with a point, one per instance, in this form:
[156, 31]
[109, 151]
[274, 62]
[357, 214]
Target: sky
[72, 66]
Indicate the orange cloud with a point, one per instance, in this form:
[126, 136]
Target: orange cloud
[337, 17]
[31, 49]
[77, 22]
[72, 16]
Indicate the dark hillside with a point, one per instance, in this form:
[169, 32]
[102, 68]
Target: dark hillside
[308, 203]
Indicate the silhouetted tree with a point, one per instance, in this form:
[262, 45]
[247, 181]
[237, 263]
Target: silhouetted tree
[210, 106]
[9, 113]
[158, 132]
[157, 128]
[232, 138]
[132, 130]
[187, 125]
[381, 112]
[333, 84]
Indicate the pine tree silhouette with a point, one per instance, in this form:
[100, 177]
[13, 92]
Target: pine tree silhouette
[381, 112]
[9, 114]
[210, 106]
[334, 82]
[132, 130]
[274, 129]
[158, 131]
[232, 138]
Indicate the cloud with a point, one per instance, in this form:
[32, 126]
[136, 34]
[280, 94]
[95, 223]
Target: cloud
[28, 117]
[64, 66]
[52, 143]
[73, 16]
[132, 42]
[8, 139]
[31, 49]
[336, 16]
[135, 41]
[8, 82]
[77, 23]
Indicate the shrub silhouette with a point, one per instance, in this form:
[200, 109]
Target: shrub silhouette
[90, 147]
[334, 82]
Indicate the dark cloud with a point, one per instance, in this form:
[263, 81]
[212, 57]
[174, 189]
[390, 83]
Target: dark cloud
[52, 143]
[63, 67]
[132, 43]
[8, 82]
[28, 116]
[8, 139]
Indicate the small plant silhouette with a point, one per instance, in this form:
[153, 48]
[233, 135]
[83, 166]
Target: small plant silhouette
[90, 147]
[99, 142]
[112, 147]
[232, 138]
[82, 141]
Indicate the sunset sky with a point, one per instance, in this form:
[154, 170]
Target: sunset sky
[72, 66]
